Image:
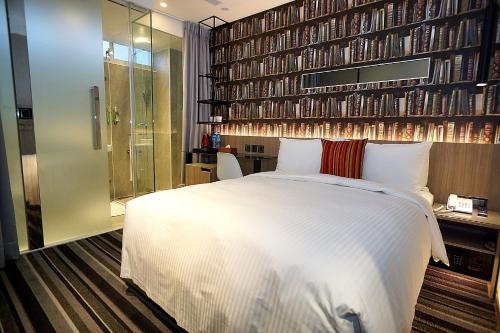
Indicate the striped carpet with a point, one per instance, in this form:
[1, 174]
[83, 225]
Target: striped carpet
[76, 287]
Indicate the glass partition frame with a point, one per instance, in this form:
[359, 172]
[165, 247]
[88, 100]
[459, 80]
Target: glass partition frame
[141, 98]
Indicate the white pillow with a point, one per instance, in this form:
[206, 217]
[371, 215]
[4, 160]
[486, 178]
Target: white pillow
[402, 165]
[299, 156]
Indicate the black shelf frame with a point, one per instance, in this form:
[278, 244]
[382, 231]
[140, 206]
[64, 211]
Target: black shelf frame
[215, 105]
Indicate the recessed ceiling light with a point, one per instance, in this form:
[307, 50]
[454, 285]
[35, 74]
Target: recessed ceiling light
[163, 4]
[141, 39]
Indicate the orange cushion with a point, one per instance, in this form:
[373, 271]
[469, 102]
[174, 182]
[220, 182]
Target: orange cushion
[343, 158]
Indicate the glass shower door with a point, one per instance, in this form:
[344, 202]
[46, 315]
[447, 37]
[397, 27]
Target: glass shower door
[141, 74]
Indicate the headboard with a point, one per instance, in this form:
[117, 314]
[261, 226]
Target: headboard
[462, 168]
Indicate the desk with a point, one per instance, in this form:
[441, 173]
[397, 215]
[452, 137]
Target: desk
[249, 162]
[259, 163]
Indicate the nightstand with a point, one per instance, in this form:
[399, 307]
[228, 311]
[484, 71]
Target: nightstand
[200, 173]
[473, 244]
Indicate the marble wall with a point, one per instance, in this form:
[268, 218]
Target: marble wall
[168, 118]
[176, 92]
[163, 170]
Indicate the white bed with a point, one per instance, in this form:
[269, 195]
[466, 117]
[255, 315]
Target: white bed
[273, 252]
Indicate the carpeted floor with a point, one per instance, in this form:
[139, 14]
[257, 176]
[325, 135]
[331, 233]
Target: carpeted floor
[76, 287]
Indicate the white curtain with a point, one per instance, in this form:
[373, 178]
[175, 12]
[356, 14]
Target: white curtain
[196, 60]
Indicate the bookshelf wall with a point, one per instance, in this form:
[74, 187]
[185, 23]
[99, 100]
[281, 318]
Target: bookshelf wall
[263, 57]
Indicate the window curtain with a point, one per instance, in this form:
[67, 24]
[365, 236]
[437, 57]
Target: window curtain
[196, 60]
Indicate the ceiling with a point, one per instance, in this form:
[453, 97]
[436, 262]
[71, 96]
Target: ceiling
[115, 29]
[115, 16]
[197, 10]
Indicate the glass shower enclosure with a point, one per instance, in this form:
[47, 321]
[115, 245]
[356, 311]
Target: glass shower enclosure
[127, 45]
[143, 74]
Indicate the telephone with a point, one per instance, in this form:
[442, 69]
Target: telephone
[459, 204]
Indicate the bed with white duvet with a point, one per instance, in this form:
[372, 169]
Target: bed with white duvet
[275, 252]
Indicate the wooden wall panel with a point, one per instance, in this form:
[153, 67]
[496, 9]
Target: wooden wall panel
[469, 169]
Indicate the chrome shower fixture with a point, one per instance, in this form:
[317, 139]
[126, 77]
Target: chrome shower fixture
[109, 53]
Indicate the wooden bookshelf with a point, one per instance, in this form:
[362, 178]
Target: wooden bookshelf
[280, 60]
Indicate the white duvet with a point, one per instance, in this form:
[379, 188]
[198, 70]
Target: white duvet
[279, 253]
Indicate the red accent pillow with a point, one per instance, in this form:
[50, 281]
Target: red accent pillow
[343, 158]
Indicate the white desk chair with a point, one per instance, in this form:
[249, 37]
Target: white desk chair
[228, 167]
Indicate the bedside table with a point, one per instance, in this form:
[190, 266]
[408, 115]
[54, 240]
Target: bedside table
[200, 173]
[473, 244]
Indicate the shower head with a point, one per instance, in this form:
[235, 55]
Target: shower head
[109, 53]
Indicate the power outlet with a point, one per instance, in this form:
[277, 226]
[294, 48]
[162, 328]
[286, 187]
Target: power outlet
[258, 149]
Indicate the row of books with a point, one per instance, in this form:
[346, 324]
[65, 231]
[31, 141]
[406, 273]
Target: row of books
[291, 86]
[497, 35]
[495, 66]
[403, 10]
[495, 61]
[427, 37]
[418, 102]
[445, 131]
[492, 99]
[423, 38]
[382, 16]
[287, 86]
[272, 19]
[458, 67]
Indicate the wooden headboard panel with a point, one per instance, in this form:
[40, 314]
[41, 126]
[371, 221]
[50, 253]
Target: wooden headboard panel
[463, 168]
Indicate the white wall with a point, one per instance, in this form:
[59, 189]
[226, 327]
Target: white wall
[164, 23]
[167, 24]
[144, 3]
[161, 21]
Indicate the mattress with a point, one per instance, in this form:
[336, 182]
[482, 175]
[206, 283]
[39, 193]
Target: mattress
[282, 253]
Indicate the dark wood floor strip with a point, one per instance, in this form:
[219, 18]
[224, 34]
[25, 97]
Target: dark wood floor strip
[82, 281]
[112, 240]
[102, 257]
[73, 304]
[28, 300]
[52, 308]
[483, 303]
[9, 319]
[458, 305]
[107, 304]
[107, 320]
[129, 305]
[114, 253]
